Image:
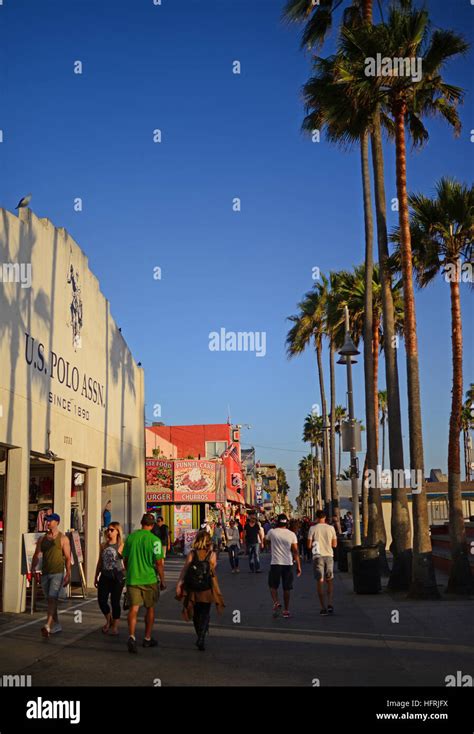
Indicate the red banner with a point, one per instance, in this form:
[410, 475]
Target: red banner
[194, 481]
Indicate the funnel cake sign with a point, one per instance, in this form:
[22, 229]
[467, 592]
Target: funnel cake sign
[194, 481]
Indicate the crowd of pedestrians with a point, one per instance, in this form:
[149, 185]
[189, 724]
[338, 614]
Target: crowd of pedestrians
[137, 565]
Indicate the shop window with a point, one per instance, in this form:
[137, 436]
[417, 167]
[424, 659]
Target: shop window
[41, 494]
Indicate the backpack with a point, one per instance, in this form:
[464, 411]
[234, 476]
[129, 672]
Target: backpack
[198, 574]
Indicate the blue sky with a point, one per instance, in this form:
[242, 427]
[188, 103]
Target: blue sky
[169, 205]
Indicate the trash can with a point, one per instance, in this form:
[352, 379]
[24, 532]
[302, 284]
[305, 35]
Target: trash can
[366, 569]
[344, 548]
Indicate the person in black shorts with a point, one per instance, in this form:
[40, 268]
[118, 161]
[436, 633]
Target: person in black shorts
[284, 550]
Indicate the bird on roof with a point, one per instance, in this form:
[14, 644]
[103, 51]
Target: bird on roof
[23, 202]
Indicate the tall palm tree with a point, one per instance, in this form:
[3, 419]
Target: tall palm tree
[318, 18]
[383, 420]
[313, 434]
[406, 99]
[309, 327]
[350, 291]
[442, 230]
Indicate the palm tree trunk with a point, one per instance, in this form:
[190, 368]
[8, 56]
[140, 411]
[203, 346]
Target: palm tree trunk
[460, 577]
[375, 351]
[423, 584]
[334, 490]
[340, 451]
[326, 469]
[376, 531]
[383, 442]
[401, 547]
[365, 504]
[467, 467]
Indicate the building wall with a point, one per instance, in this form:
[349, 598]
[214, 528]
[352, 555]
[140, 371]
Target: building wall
[155, 441]
[83, 399]
[191, 441]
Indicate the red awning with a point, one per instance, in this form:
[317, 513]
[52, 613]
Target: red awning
[232, 496]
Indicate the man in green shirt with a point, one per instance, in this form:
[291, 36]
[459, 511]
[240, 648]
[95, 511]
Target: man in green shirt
[143, 557]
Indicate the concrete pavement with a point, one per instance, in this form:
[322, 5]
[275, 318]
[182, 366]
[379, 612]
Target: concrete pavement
[359, 645]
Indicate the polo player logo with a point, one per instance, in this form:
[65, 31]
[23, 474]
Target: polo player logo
[75, 307]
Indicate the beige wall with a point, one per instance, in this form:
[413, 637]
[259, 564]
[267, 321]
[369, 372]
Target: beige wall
[99, 421]
[153, 441]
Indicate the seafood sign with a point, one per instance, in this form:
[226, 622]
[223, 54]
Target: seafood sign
[194, 481]
[159, 480]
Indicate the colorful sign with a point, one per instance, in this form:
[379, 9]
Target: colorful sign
[183, 519]
[259, 496]
[159, 480]
[194, 481]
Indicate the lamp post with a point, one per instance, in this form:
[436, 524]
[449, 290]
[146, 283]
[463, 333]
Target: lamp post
[349, 350]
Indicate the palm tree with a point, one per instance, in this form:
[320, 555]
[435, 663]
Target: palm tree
[467, 424]
[351, 292]
[309, 326]
[383, 420]
[407, 36]
[340, 415]
[318, 19]
[313, 434]
[441, 230]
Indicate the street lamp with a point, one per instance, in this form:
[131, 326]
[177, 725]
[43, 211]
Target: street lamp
[348, 351]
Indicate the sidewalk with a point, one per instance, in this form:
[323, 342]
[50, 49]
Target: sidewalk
[359, 645]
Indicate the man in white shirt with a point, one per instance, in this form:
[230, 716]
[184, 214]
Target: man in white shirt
[322, 540]
[284, 549]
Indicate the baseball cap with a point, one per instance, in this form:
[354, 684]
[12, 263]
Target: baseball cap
[52, 516]
[282, 519]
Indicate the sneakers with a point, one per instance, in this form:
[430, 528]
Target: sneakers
[276, 609]
[56, 628]
[150, 643]
[132, 645]
[323, 613]
[330, 609]
[45, 631]
[237, 570]
[286, 614]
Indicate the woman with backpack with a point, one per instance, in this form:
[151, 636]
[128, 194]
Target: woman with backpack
[198, 586]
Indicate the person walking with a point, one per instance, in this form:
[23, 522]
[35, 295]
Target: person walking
[162, 532]
[198, 586]
[284, 554]
[110, 577]
[254, 541]
[144, 560]
[55, 549]
[322, 540]
[233, 546]
[217, 538]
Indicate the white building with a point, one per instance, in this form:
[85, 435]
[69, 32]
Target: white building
[71, 399]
